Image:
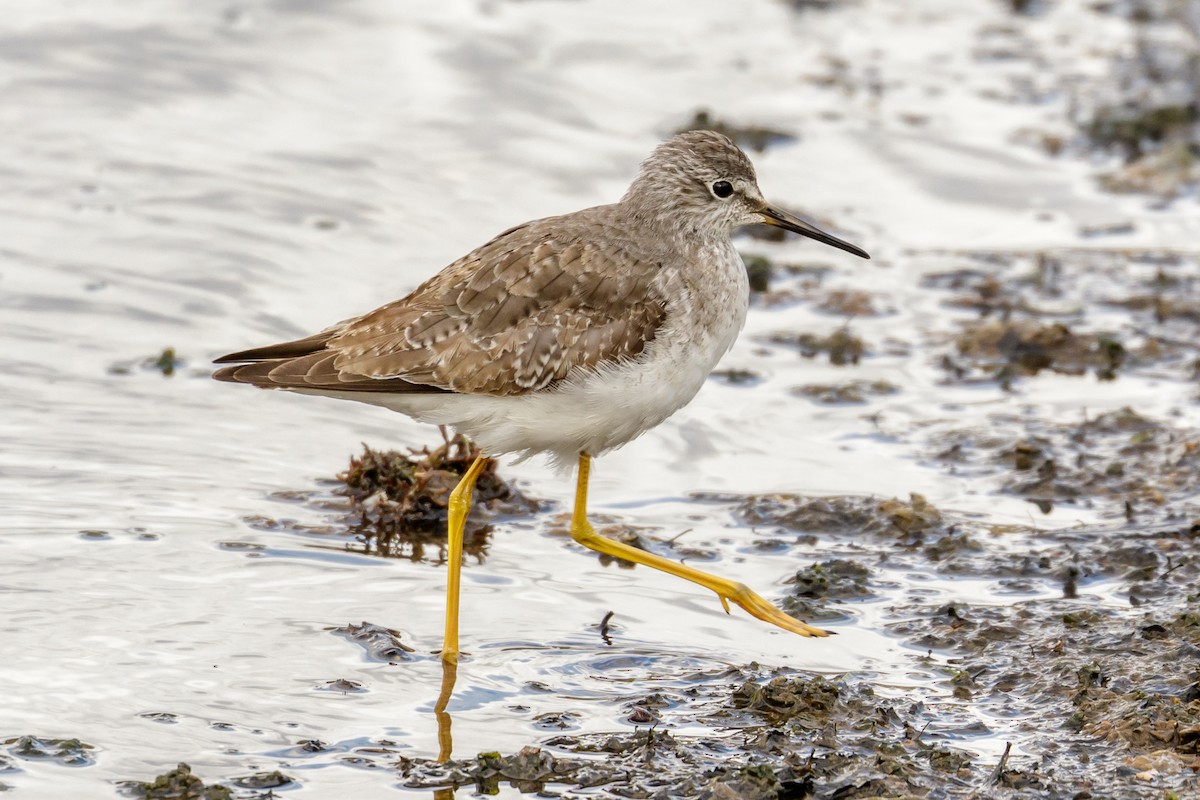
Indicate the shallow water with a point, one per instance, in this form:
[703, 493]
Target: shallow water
[212, 177]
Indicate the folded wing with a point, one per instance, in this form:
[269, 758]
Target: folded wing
[515, 316]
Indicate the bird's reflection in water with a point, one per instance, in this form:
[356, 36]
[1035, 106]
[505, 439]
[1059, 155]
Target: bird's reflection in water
[395, 540]
[445, 737]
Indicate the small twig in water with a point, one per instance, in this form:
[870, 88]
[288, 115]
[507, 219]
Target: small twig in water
[999, 771]
[604, 629]
[1172, 567]
[671, 541]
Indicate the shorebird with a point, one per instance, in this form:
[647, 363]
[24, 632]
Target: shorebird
[568, 336]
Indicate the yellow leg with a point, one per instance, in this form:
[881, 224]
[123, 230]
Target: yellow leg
[754, 604]
[458, 507]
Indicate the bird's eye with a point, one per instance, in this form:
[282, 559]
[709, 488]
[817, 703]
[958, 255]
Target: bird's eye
[722, 189]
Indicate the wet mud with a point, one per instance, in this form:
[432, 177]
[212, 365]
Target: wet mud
[1087, 663]
[1090, 668]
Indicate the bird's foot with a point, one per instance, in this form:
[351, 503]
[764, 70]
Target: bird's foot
[757, 606]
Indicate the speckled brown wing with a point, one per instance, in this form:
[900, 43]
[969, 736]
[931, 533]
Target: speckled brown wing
[514, 316]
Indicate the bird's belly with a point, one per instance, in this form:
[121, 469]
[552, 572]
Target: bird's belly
[590, 412]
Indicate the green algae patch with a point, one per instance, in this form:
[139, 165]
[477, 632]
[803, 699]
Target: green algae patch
[1138, 131]
[799, 282]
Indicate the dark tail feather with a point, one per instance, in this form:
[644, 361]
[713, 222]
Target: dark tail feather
[230, 374]
[294, 349]
[314, 371]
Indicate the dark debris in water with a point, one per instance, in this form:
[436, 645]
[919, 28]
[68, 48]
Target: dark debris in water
[68, 752]
[842, 347]
[395, 504]
[1052, 312]
[1144, 107]
[1155, 562]
[181, 784]
[753, 137]
[1108, 694]
[1136, 463]
[849, 303]
[411, 492]
[817, 589]
[847, 393]
[1004, 351]
[792, 737]
[808, 702]
[1140, 107]
[839, 515]
[737, 376]
[1171, 170]
[380, 643]
[166, 363]
[263, 780]
[806, 279]
[178, 784]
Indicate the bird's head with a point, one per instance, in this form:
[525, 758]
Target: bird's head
[700, 182]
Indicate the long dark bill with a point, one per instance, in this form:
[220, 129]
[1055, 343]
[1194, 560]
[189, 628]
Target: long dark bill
[781, 219]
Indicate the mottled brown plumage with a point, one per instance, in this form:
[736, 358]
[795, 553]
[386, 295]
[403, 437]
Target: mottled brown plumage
[649, 287]
[514, 316]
